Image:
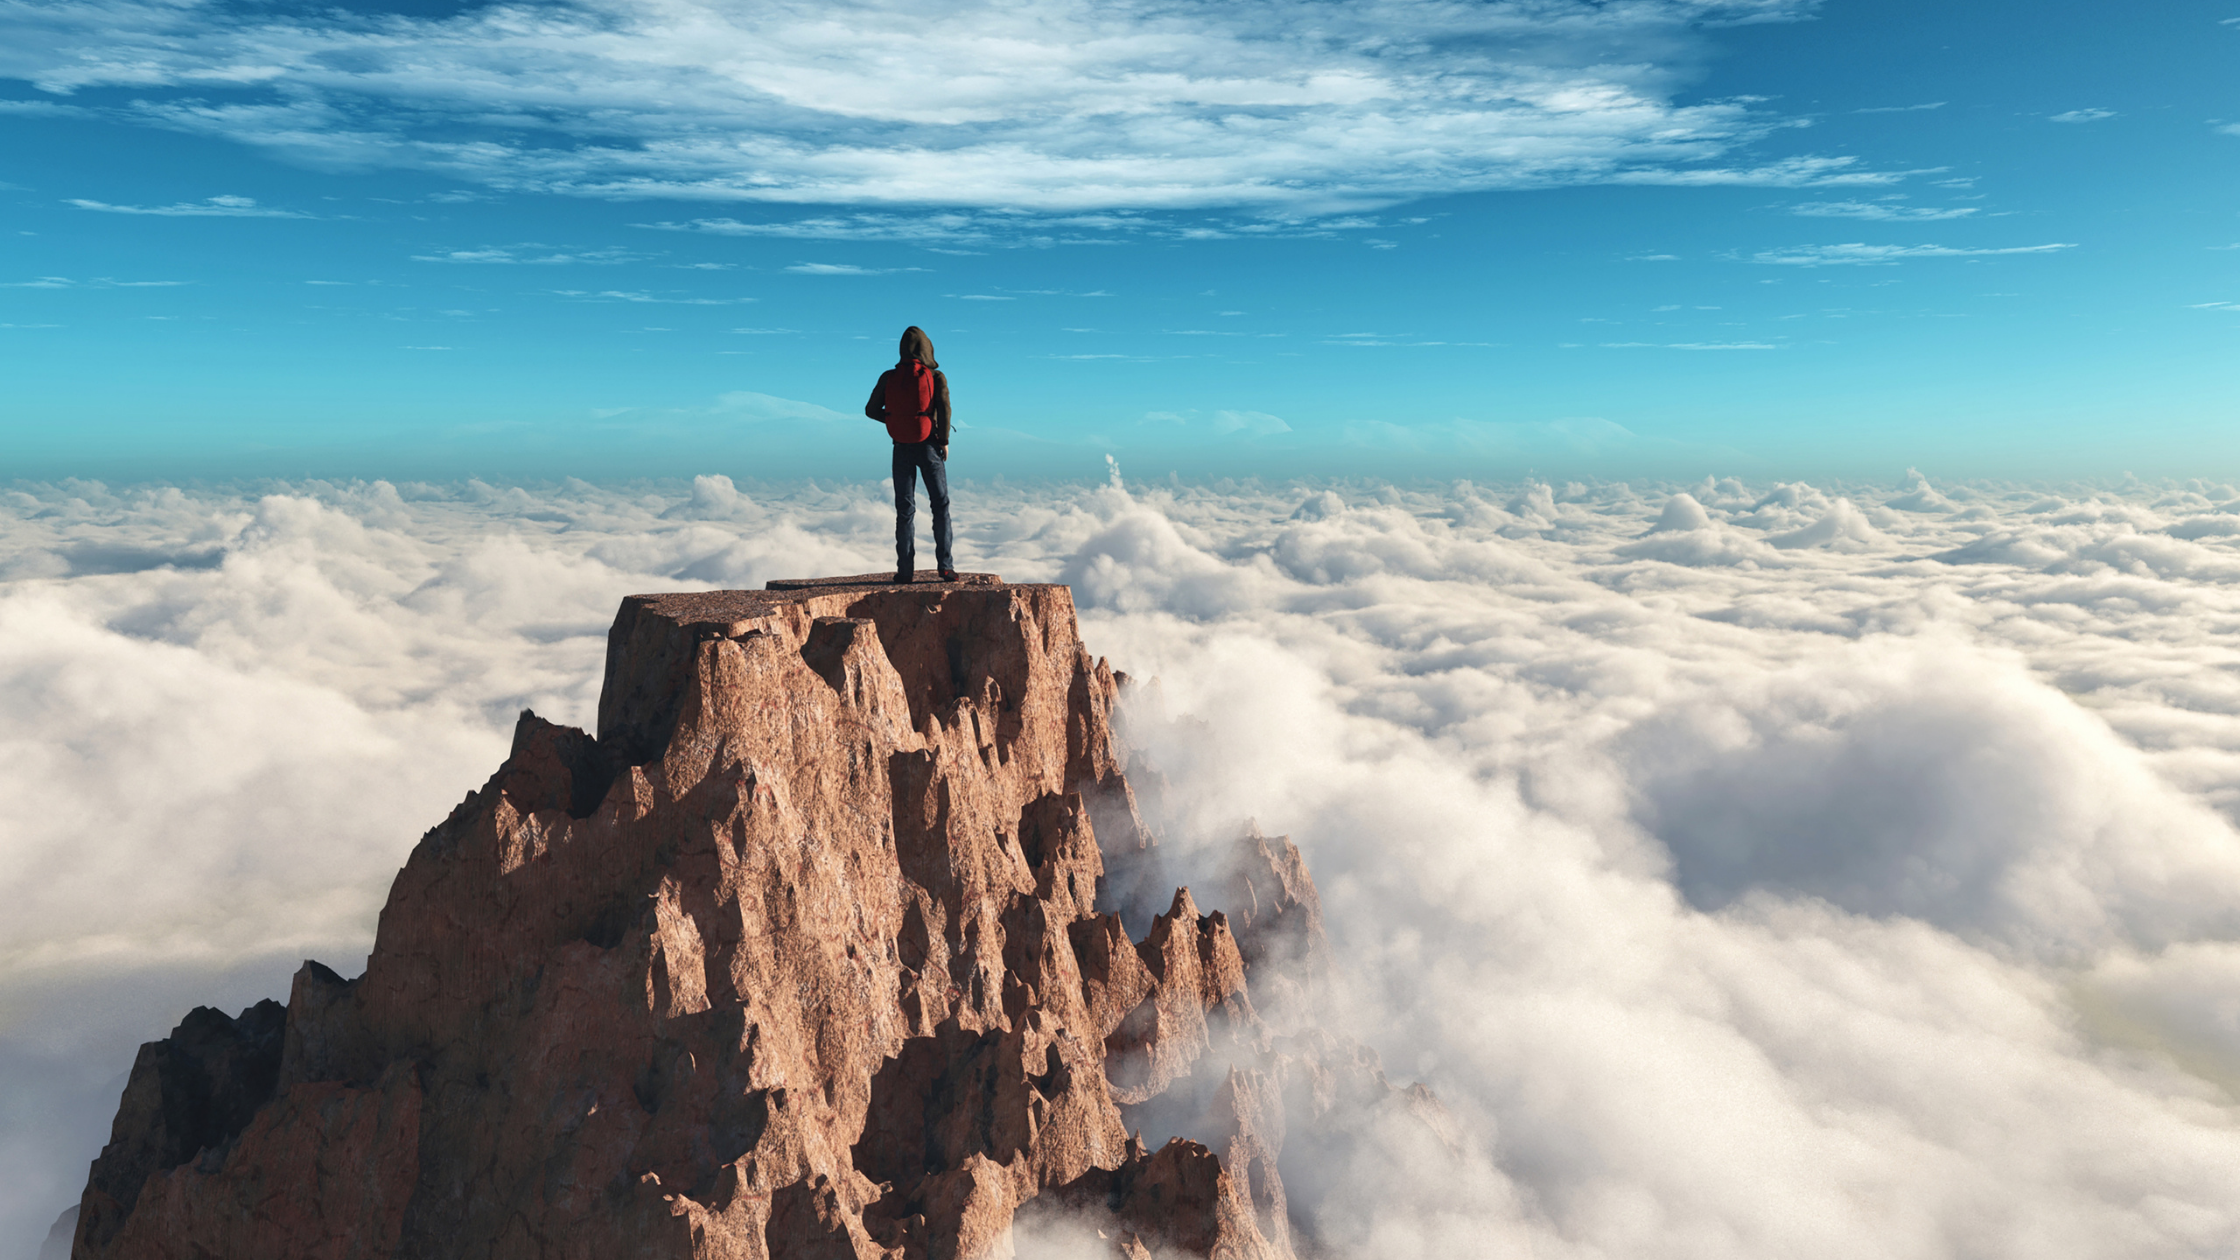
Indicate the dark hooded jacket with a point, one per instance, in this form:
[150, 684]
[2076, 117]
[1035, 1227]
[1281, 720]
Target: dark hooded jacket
[916, 345]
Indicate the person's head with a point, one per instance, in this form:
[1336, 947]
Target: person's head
[916, 345]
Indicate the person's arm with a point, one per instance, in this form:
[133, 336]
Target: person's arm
[877, 407]
[941, 413]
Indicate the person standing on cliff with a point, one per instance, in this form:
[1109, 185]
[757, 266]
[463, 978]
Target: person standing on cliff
[912, 400]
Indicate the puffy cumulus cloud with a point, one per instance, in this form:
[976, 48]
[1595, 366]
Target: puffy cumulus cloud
[1917, 495]
[1844, 527]
[1284, 105]
[1681, 513]
[1822, 879]
[1925, 779]
[1686, 534]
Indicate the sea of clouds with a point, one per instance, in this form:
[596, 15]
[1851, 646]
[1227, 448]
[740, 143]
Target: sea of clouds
[1754, 870]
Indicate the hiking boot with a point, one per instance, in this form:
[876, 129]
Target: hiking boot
[948, 575]
[905, 575]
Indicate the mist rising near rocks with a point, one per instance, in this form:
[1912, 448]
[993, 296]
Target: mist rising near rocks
[1745, 887]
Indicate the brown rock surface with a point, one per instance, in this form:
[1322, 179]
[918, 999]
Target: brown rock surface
[800, 957]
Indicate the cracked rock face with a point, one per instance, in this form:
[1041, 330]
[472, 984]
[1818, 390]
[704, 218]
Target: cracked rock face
[800, 956]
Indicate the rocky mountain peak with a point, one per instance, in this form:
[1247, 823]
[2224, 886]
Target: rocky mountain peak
[801, 954]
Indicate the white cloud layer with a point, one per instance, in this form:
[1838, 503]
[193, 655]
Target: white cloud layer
[1282, 105]
[1756, 871]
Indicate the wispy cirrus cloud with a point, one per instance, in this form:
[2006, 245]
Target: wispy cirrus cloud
[638, 296]
[944, 231]
[1798, 172]
[1900, 109]
[950, 227]
[98, 282]
[1879, 210]
[1286, 105]
[1374, 339]
[225, 207]
[1859, 254]
[531, 255]
[2081, 115]
[844, 269]
[1690, 345]
[1021, 229]
[43, 109]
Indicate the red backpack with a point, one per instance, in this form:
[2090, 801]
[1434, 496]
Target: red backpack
[910, 402]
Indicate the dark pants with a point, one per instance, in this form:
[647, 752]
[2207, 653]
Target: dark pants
[911, 458]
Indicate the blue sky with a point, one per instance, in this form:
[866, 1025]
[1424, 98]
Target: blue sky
[1643, 237]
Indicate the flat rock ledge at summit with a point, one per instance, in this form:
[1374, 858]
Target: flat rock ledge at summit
[801, 956]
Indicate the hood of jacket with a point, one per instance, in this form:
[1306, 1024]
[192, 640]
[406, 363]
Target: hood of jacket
[916, 345]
